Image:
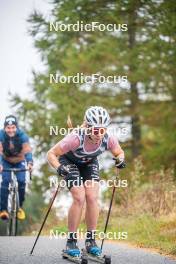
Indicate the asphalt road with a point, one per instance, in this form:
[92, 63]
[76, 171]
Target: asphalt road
[15, 250]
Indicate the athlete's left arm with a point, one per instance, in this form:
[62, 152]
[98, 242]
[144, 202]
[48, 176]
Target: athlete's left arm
[115, 148]
[27, 150]
[117, 152]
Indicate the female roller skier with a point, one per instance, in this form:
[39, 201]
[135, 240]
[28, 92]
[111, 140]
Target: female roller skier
[75, 159]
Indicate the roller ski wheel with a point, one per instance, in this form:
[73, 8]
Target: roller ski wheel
[84, 260]
[106, 259]
[76, 259]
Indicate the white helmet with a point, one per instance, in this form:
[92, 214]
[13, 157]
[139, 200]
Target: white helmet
[97, 116]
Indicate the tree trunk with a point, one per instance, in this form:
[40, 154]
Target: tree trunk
[136, 128]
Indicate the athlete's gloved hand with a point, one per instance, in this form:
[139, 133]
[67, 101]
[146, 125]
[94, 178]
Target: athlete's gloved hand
[120, 163]
[30, 166]
[63, 170]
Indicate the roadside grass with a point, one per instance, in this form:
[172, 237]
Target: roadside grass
[143, 231]
[147, 231]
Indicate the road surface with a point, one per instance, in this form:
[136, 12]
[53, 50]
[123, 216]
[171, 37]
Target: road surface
[15, 250]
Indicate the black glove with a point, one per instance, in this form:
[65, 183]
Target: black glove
[63, 170]
[120, 163]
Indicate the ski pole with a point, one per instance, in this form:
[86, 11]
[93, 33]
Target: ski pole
[49, 209]
[109, 211]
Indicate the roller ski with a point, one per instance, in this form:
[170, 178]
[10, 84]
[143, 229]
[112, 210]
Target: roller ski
[73, 254]
[94, 253]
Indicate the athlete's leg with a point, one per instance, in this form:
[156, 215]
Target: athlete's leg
[76, 188]
[74, 215]
[92, 208]
[90, 175]
[21, 178]
[92, 213]
[6, 177]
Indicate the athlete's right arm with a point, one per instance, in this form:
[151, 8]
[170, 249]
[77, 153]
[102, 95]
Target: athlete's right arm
[53, 156]
[69, 143]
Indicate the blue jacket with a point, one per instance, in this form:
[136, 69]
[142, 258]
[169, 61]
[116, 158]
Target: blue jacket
[12, 146]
